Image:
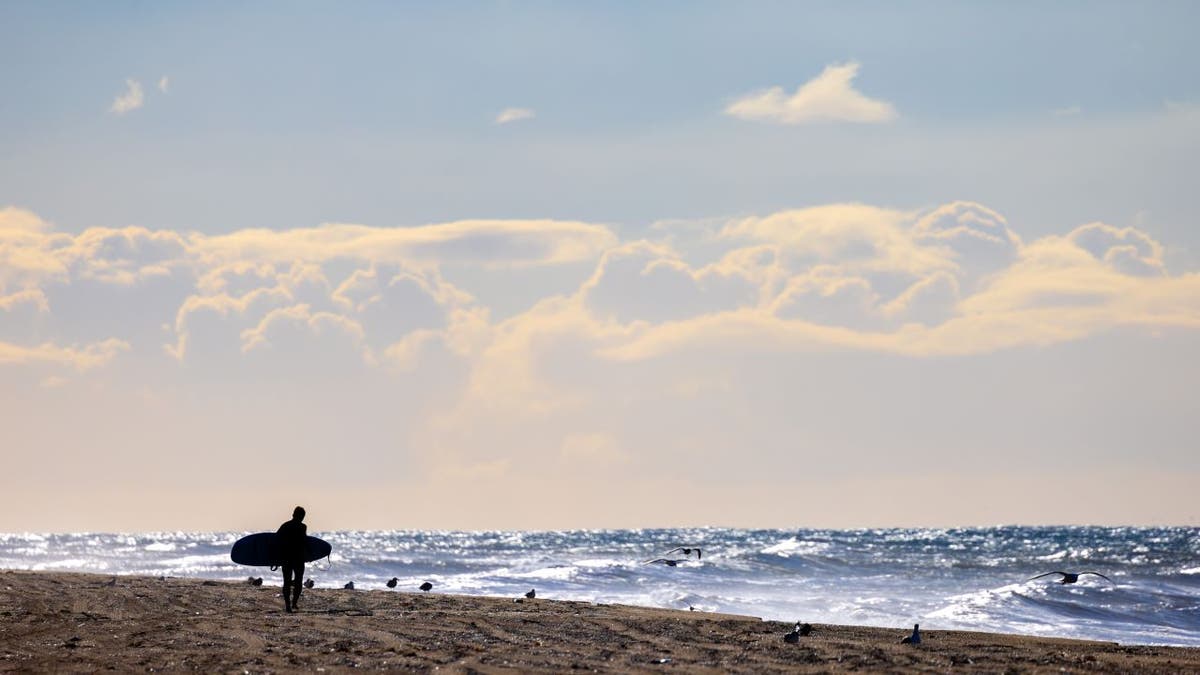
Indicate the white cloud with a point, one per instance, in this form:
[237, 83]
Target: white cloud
[952, 279]
[692, 356]
[80, 358]
[829, 97]
[132, 99]
[485, 242]
[514, 114]
[164, 83]
[22, 220]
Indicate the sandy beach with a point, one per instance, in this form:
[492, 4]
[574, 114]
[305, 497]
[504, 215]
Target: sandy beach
[82, 622]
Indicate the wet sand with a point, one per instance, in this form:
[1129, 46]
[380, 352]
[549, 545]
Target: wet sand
[80, 622]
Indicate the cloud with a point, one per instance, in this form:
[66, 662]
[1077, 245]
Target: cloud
[690, 352]
[951, 279]
[164, 83]
[132, 99]
[829, 97]
[81, 359]
[515, 114]
[13, 219]
[485, 242]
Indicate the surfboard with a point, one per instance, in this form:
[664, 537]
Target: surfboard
[258, 549]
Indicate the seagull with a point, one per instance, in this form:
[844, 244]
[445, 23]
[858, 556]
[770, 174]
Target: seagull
[686, 551]
[531, 594]
[392, 582]
[254, 581]
[308, 583]
[665, 561]
[1070, 577]
[426, 586]
[800, 629]
[915, 638]
[349, 586]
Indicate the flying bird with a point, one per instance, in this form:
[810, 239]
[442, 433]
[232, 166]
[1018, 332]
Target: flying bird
[531, 594]
[349, 586]
[1070, 577]
[686, 551]
[392, 582]
[661, 561]
[426, 586]
[915, 638]
[308, 583]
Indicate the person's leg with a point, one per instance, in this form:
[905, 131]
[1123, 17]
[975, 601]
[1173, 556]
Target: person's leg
[287, 584]
[297, 584]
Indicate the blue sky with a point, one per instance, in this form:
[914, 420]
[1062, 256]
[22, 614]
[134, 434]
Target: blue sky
[296, 114]
[458, 239]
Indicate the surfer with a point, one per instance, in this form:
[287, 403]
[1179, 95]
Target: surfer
[291, 539]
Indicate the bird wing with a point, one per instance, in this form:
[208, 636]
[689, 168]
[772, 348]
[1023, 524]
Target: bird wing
[1100, 575]
[1046, 575]
[680, 548]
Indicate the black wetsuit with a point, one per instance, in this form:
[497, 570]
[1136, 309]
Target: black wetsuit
[290, 538]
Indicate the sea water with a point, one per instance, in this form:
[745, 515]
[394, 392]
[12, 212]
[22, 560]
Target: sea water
[972, 579]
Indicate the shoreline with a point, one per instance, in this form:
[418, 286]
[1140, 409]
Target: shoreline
[76, 622]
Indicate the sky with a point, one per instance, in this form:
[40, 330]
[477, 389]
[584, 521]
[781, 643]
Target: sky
[559, 265]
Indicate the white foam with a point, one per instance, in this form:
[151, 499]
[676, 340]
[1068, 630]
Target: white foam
[793, 546]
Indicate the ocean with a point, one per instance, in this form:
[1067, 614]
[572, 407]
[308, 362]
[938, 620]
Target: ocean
[968, 579]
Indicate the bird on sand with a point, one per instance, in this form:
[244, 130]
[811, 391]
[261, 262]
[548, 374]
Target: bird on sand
[915, 638]
[800, 630]
[531, 594]
[309, 583]
[661, 561]
[254, 581]
[392, 582]
[426, 586]
[686, 551]
[1070, 577]
[349, 586]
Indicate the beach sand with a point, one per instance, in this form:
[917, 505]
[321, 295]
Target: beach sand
[83, 622]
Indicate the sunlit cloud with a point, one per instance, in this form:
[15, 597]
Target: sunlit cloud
[950, 280]
[79, 358]
[514, 114]
[131, 99]
[829, 97]
[486, 242]
[164, 84]
[635, 364]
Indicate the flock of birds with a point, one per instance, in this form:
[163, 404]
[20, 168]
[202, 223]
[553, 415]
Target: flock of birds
[391, 583]
[792, 637]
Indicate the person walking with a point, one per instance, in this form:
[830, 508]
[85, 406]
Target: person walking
[291, 540]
